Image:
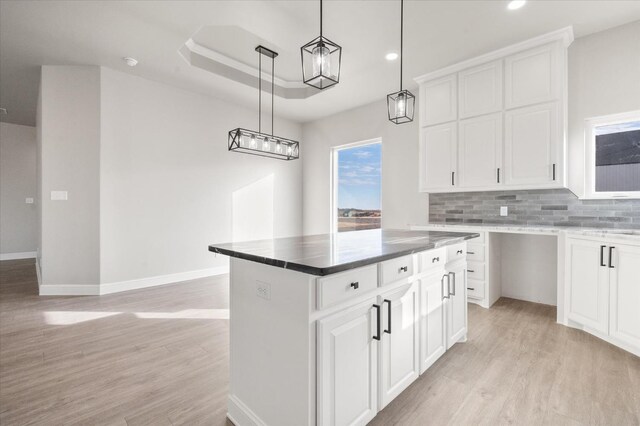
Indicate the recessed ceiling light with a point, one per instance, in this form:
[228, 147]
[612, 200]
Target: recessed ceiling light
[132, 62]
[516, 4]
[392, 56]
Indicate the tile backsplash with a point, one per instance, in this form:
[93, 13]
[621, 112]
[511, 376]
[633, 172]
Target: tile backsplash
[558, 207]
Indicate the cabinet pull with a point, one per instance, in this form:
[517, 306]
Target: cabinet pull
[454, 284]
[459, 252]
[470, 288]
[470, 270]
[403, 269]
[355, 285]
[554, 171]
[442, 285]
[378, 319]
[453, 174]
[602, 256]
[610, 257]
[471, 252]
[435, 259]
[388, 330]
[498, 174]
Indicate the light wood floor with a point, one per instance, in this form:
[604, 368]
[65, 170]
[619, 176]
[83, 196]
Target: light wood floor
[159, 356]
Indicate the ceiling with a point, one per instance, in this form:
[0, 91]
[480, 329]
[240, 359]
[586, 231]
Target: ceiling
[437, 33]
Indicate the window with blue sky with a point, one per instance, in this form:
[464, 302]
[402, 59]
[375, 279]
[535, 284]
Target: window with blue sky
[359, 187]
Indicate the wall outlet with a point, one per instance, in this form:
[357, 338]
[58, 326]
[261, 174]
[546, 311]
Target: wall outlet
[504, 211]
[59, 196]
[28, 200]
[263, 290]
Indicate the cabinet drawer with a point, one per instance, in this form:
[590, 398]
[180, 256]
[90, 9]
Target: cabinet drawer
[475, 270]
[431, 258]
[340, 287]
[396, 269]
[456, 252]
[475, 289]
[475, 252]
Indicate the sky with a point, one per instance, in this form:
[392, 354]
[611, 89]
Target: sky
[359, 177]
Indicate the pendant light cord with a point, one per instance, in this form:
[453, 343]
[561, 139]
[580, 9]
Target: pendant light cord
[320, 19]
[259, 92]
[273, 65]
[401, 34]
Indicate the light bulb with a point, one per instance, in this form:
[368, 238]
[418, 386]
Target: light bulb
[321, 61]
[278, 147]
[265, 145]
[289, 150]
[401, 105]
[253, 143]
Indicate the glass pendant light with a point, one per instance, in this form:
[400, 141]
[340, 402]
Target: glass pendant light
[401, 104]
[258, 143]
[321, 61]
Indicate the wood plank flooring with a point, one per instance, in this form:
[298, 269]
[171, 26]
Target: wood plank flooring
[159, 356]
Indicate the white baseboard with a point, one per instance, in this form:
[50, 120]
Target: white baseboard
[240, 414]
[161, 280]
[16, 256]
[117, 287]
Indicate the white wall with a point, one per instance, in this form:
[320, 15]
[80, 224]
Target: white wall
[70, 161]
[604, 78]
[401, 202]
[169, 186]
[18, 227]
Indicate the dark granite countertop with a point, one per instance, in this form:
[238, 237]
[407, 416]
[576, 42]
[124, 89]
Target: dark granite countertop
[326, 254]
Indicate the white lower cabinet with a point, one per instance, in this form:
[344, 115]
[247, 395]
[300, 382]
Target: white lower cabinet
[433, 341]
[456, 302]
[348, 365]
[399, 344]
[602, 289]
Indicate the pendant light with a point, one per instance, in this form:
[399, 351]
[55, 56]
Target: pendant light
[321, 61]
[258, 143]
[401, 104]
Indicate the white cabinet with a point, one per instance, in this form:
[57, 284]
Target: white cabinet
[533, 141]
[432, 315]
[399, 344]
[438, 156]
[480, 151]
[532, 76]
[348, 366]
[439, 101]
[480, 90]
[588, 282]
[625, 294]
[602, 289]
[510, 110]
[456, 303]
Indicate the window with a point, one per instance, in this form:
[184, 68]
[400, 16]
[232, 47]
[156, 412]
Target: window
[356, 187]
[613, 156]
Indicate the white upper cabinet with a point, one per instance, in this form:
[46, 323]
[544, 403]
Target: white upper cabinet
[439, 101]
[480, 90]
[509, 107]
[532, 76]
[532, 142]
[438, 156]
[480, 151]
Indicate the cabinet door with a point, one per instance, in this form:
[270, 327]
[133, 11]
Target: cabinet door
[625, 295]
[532, 76]
[480, 151]
[439, 101]
[348, 366]
[480, 90]
[438, 157]
[587, 284]
[456, 305]
[432, 326]
[532, 138]
[399, 347]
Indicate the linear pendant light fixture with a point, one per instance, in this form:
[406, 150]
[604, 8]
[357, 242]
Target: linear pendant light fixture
[401, 104]
[321, 61]
[258, 143]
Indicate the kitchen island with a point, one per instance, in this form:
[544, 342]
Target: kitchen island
[328, 329]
